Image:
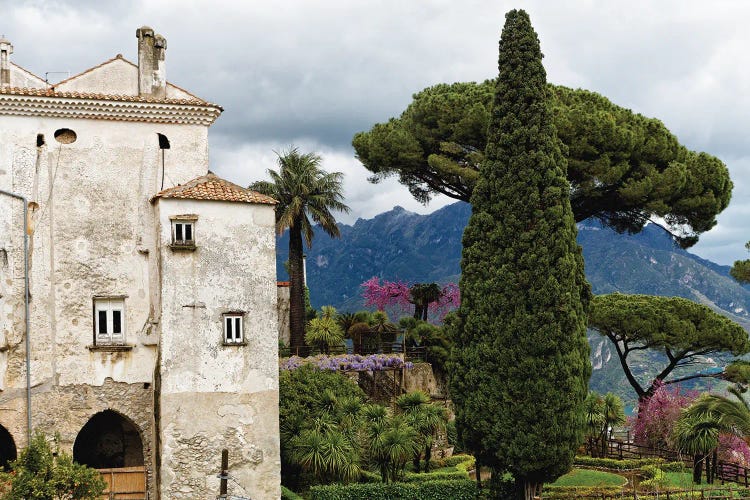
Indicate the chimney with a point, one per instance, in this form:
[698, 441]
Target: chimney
[6, 49]
[152, 73]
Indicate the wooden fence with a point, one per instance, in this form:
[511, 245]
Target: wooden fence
[725, 471]
[125, 483]
[719, 493]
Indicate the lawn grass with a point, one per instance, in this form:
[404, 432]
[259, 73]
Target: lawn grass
[590, 478]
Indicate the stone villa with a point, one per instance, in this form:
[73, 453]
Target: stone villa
[152, 287]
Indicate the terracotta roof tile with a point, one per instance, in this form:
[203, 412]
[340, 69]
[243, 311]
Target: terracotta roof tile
[105, 97]
[212, 187]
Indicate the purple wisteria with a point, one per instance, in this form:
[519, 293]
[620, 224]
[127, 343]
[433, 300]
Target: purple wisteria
[348, 362]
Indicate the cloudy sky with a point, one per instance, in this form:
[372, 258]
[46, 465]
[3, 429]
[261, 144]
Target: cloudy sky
[315, 73]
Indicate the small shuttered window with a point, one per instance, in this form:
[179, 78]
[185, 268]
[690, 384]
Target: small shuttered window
[233, 328]
[109, 321]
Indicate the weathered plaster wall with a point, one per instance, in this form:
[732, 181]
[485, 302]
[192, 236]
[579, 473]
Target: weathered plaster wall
[19, 77]
[115, 77]
[282, 310]
[216, 396]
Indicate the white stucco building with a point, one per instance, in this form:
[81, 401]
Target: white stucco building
[153, 323]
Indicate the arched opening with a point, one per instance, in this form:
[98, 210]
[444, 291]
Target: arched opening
[108, 440]
[7, 448]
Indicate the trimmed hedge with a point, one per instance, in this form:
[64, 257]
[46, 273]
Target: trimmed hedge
[674, 467]
[465, 462]
[569, 492]
[464, 489]
[287, 494]
[413, 477]
[611, 463]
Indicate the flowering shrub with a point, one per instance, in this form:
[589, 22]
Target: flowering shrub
[396, 297]
[734, 449]
[347, 362]
[658, 414]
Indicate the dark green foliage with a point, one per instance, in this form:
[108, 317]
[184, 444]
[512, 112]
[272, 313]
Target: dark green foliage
[741, 269]
[682, 329]
[37, 474]
[430, 490]
[622, 166]
[302, 392]
[422, 295]
[432, 337]
[287, 494]
[521, 362]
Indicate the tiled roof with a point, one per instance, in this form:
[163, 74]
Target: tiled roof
[105, 97]
[212, 187]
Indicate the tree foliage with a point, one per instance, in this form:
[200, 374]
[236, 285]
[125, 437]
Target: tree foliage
[306, 195]
[41, 474]
[399, 296]
[741, 268]
[602, 413]
[520, 365]
[622, 167]
[682, 330]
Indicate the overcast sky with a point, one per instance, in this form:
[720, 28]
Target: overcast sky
[313, 73]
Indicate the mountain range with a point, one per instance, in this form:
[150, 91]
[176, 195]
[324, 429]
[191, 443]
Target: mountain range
[401, 245]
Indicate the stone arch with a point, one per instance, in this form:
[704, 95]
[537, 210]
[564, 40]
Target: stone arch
[7, 448]
[109, 440]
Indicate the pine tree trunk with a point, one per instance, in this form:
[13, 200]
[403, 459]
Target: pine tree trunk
[297, 288]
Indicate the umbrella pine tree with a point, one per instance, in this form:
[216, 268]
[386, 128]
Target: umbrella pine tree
[520, 365]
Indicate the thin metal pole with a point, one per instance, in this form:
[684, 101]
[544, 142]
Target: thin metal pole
[26, 307]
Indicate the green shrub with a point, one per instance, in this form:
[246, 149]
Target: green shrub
[650, 471]
[38, 475]
[675, 467]
[657, 478]
[571, 492]
[287, 494]
[365, 476]
[413, 477]
[466, 462]
[429, 490]
[611, 463]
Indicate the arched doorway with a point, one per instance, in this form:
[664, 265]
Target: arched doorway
[7, 448]
[108, 440]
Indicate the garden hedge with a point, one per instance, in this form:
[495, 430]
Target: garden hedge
[412, 477]
[464, 489]
[611, 463]
[287, 494]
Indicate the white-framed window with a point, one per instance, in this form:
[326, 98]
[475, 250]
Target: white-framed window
[234, 328]
[183, 231]
[109, 320]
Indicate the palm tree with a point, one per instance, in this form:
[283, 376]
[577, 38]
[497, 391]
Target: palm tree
[613, 411]
[304, 191]
[698, 435]
[426, 418]
[700, 424]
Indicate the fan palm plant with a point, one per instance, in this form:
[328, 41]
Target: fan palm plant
[426, 419]
[306, 195]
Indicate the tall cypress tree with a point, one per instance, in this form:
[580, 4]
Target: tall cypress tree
[521, 362]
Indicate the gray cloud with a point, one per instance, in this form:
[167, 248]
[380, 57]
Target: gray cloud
[315, 73]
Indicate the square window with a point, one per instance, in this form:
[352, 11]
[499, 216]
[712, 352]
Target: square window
[183, 233]
[109, 321]
[233, 328]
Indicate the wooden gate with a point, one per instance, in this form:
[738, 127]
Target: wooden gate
[124, 483]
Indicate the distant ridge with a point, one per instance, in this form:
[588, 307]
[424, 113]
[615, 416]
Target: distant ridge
[399, 244]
